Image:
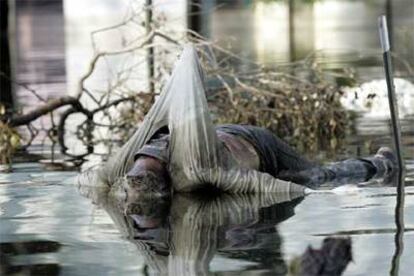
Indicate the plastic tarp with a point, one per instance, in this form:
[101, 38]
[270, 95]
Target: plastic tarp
[194, 150]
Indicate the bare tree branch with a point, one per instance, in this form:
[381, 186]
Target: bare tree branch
[49, 106]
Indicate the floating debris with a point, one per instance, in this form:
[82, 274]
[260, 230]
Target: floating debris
[371, 98]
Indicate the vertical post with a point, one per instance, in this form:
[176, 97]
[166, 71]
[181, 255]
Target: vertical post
[194, 16]
[399, 208]
[389, 18]
[6, 96]
[150, 50]
[385, 44]
[292, 50]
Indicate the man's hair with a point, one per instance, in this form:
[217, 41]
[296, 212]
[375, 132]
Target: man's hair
[149, 183]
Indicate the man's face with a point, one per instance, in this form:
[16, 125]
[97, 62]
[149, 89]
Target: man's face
[148, 177]
[148, 183]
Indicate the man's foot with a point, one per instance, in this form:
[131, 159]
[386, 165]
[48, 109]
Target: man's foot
[388, 154]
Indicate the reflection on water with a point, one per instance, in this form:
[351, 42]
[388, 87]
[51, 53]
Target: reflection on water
[188, 234]
[8, 249]
[37, 207]
[29, 247]
[45, 224]
[241, 228]
[331, 259]
[399, 224]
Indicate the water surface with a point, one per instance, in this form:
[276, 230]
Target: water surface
[46, 224]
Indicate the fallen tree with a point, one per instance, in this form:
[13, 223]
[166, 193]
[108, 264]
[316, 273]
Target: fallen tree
[298, 101]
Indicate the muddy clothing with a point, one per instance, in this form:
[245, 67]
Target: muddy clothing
[275, 155]
[264, 151]
[157, 148]
[280, 160]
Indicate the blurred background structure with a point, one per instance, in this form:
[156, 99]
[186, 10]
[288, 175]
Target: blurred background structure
[51, 49]
[52, 42]
[51, 38]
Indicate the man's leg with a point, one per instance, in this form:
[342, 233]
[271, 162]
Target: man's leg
[287, 157]
[353, 170]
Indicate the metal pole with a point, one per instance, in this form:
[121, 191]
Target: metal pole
[292, 44]
[399, 209]
[385, 44]
[150, 51]
[194, 16]
[6, 95]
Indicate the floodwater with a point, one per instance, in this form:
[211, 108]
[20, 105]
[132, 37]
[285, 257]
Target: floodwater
[47, 227]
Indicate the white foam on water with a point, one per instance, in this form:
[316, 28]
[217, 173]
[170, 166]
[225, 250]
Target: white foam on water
[343, 189]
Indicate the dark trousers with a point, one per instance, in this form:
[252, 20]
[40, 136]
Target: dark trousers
[294, 167]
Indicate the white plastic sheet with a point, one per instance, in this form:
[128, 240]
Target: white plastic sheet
[194, 154]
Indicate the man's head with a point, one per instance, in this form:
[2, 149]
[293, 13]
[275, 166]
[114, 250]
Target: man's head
[149, 177]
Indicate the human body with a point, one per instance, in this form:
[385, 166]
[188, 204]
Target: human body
[198, 155]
